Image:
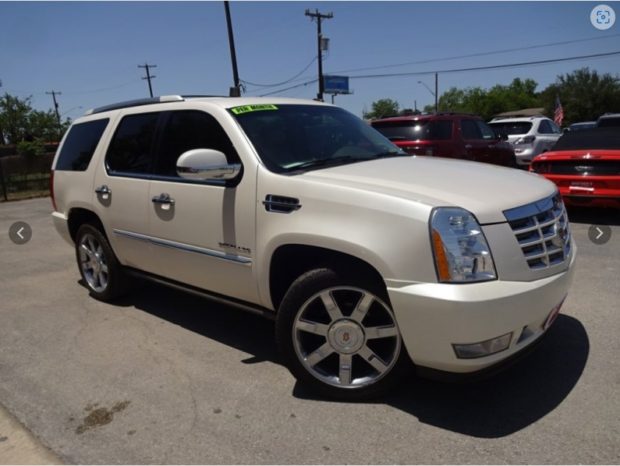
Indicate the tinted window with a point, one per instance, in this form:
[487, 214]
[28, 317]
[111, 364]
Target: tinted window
[589, 139]
[415, 130]
[80, 145]
[470, 129]
[293, 138]
[519, 127]
[130, 149]
[485, 130]
[187, 130]
[545, 127]
[606, 122]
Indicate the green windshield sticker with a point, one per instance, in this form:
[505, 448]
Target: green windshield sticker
[252, 108]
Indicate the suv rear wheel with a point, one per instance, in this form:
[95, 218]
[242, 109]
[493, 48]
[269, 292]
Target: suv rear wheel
[103, 274]
[339, 336]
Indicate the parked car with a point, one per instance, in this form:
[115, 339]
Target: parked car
[365, 256]
[585, 166]
[608, 120]
[529, 136]
[453, 135]
[581, 125]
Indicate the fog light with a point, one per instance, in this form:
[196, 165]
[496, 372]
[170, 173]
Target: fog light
[483, 348]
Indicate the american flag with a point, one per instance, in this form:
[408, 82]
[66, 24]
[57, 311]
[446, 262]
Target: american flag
[558, 114]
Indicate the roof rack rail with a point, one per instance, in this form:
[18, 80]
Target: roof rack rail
[136, 103]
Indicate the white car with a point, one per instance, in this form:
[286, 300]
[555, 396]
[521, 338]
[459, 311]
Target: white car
[367, 258]
[529, 136]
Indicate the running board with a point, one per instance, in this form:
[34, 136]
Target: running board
[218, 298]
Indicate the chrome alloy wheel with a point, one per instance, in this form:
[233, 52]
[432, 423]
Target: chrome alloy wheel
[346, 337]
[93, 263]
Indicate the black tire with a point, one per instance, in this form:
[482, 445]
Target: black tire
[103, 275]
[352, 352]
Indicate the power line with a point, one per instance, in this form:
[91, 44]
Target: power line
[480, 54]
[148, 76]
[490, 67]
[289, 88]
[459, 70]
[283, 82]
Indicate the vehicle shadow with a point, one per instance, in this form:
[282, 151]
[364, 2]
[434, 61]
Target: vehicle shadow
[594, 215]
[490, 408]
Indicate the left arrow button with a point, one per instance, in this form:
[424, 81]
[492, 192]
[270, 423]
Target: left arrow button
[20, 233]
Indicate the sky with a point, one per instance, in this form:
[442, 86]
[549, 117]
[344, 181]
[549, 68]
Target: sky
[90, 51]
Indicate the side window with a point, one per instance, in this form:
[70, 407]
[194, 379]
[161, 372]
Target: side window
[130, 149]
[440, 130]
[487, 132]
[555, 128]
[470, 129]
[544, 127]
[187, 130]
[80, 145]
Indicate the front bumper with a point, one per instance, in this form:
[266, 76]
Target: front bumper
[433, 316]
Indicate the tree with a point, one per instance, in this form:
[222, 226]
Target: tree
[487, 103]
[382, 108]
[19, 122]
[14, 117]
[584, 95]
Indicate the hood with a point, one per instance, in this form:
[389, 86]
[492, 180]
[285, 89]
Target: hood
[483, 189]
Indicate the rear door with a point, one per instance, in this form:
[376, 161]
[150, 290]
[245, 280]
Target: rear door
[475, 146]
[122, 187]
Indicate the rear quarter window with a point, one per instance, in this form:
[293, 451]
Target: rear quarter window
[80, 145]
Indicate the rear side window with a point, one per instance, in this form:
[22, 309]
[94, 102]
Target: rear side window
[470, 129]
[510, 128]
[130, 149]
[415, 130]
[80, 145]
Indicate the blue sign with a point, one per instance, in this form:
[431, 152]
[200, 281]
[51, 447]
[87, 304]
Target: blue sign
[336, 84]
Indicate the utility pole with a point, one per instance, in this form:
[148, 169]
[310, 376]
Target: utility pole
[319, 16]
[436, 92]
[148, 76]
[54, 94]
[235, 91]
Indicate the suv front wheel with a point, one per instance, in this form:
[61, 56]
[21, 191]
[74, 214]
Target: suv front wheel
[99, 267]
[339, 336]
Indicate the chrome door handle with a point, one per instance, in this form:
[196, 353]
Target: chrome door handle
[103, 191]
[163, 198]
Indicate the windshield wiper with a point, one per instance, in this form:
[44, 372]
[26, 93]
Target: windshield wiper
[327, 162]
[390, 153]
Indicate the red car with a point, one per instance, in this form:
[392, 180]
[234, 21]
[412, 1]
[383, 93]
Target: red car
[585, 165]
[454, 135]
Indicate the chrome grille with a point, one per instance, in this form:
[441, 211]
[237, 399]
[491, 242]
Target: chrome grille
[542, 231]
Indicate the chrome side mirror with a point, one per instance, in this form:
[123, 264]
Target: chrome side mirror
[206, 165]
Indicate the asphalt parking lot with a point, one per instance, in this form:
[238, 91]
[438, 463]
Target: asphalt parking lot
[164, 377]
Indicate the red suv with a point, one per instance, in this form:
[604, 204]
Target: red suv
[454, 135]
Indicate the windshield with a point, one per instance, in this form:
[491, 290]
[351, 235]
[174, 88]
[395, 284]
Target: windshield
[290, 138]
[589, 139]
[415, 130]
[513, 128]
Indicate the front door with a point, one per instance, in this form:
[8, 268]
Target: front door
[202, 233]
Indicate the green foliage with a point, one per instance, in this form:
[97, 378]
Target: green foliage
[19, 122]
[517, 95]
[382, 108]
[584, 95]
[33, 148]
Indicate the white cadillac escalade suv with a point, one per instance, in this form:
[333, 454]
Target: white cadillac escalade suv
[365, 256]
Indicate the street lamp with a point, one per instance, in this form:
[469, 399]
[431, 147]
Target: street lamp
[434, 94]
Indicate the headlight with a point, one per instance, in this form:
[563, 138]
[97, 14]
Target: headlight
[460, 249]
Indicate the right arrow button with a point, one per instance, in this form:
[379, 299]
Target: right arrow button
[599, 234]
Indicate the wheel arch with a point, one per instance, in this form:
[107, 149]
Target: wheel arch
[79, 216]
[289, 261]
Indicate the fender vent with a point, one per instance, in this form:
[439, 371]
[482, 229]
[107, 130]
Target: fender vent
[281, 204]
